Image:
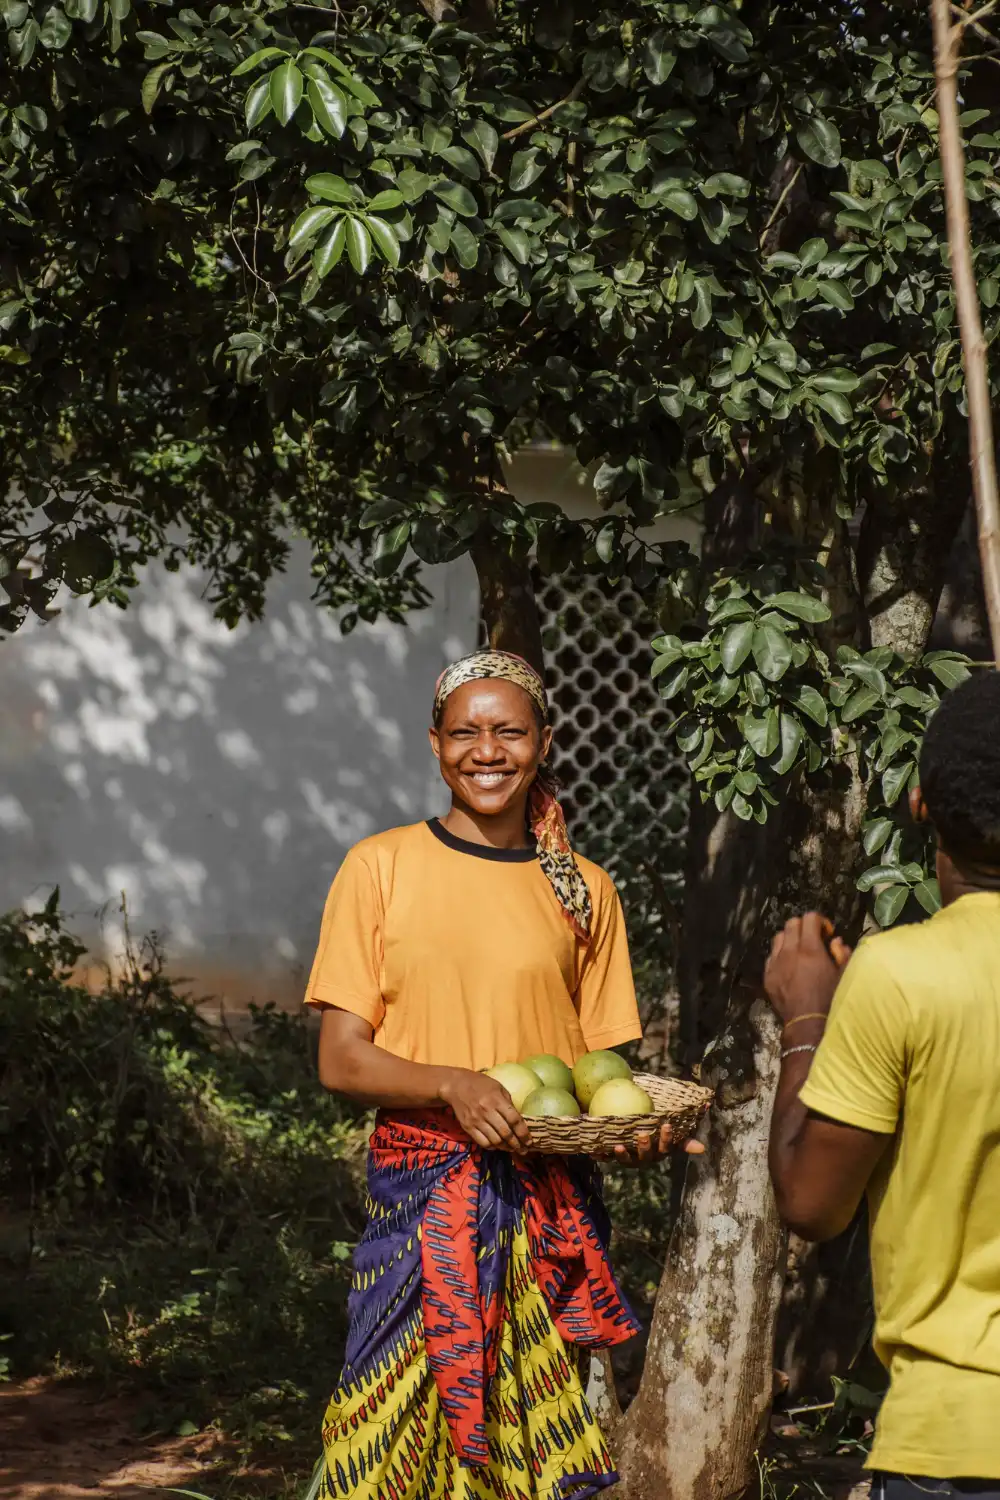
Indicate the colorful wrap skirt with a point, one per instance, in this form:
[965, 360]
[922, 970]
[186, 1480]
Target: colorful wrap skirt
[477, 1282]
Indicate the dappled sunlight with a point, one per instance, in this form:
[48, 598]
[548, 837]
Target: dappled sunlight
[214, 777]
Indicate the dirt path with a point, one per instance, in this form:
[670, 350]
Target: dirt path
[63, 1441]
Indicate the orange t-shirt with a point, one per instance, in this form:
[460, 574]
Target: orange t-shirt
[459, 955]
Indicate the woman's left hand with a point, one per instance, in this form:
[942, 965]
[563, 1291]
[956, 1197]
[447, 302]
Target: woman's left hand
[651, 1148]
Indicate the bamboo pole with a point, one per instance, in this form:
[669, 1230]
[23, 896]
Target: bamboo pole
[948, 38]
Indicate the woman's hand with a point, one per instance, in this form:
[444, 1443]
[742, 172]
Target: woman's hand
[485, 1111]
[651, 1148]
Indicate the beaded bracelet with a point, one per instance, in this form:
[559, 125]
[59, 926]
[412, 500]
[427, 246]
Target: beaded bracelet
[789, 1050]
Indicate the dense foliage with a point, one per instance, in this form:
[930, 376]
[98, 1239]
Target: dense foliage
[178, 1209]
[262, 267]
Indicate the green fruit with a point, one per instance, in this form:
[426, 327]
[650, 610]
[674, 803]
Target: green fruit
[620, 1096]
[518, 1080]
[551, 1070]
[556, 1103]
[595, 1068]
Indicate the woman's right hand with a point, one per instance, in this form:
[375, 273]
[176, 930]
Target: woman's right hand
[485, 1111]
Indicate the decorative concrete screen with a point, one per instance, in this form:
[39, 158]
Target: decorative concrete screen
[612, 753]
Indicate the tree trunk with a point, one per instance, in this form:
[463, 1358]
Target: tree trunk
[701, 1410]
[508, 603]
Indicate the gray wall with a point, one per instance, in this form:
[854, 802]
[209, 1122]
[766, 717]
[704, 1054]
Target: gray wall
[214, 777]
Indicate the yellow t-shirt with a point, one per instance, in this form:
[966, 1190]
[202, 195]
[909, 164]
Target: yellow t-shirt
[912, 1050]
[459, 955]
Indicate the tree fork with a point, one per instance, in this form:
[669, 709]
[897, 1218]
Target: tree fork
[508, 602]
[982, 455]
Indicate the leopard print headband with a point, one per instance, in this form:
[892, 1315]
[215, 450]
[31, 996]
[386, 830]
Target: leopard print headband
[545, 816]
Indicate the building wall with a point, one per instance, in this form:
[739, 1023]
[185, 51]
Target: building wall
[214, 777]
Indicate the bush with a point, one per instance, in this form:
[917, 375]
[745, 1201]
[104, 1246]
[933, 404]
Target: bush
[189, 1202]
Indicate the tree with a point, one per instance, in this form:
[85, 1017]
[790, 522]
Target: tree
[263, 273]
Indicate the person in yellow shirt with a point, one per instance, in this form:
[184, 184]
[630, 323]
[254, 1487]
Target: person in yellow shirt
[890, 1081]
[448, 947]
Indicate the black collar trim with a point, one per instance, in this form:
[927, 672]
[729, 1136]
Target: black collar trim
[481, 851]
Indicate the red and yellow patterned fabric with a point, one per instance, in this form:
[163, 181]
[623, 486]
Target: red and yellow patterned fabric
[476, 1283]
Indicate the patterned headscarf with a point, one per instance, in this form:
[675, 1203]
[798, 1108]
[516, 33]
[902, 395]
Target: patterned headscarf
[545, 816]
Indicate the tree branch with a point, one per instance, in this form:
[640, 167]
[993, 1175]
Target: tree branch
[545, 114]
[982, 453]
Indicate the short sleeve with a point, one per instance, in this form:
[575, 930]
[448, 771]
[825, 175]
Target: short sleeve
[858, 1075]
[347, 969]
[605, 997]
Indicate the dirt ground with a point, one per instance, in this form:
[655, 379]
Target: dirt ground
[63, 1441]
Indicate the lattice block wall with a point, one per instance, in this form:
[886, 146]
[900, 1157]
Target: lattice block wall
[611, 747]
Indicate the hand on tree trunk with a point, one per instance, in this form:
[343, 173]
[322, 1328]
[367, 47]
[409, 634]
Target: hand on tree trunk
[804, 968]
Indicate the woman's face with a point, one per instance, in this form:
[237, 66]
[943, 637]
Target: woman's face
[489, 745]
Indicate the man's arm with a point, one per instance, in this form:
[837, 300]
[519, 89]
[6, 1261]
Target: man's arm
[819, 1167]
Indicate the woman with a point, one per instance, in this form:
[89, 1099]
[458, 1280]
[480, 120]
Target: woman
[448, 947]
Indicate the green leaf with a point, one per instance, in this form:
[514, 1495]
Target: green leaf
[484, 141]
[894, 780]
[680, 202]
[741, 807]
[258, 103]
[928, 893]
[262, 55]
[151, 85]
[879, 875]
[384, 202]
[517, 243]
[361, 91]
[736, 646]
[329, 106]
[731, 609]
[675, 682]
[841, 380]
[328, 252]
[820, 140]
[658, 57]
[457, 197]
[836, 406]
[390, 547]
[56, 30]
[286, 85]
[792, 735]
[359, 245]
[465, 245]
[889, 903]
[801, 606]
[384, 237]
[860, 702]
[762, 735]
[771, 651]
[331, 188]
[836, 294]
[876, 833]
[309, 224]
[949, 672]
[525, 169]
[868, 673]
[808, 701]
[742, 359]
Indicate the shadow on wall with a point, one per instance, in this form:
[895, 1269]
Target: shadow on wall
[215, 777]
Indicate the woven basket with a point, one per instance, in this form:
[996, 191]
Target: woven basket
[675, 1103]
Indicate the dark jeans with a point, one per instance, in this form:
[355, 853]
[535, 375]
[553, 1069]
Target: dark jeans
[916, 1487]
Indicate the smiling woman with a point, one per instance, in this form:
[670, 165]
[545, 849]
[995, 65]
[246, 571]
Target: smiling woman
[449, 947]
